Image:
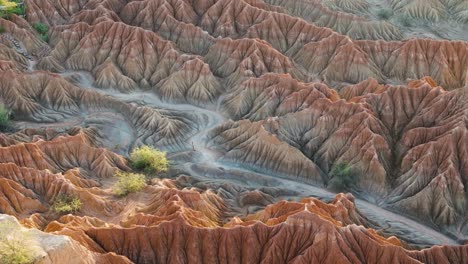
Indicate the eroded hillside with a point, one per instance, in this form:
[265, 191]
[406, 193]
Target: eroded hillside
[258, 103]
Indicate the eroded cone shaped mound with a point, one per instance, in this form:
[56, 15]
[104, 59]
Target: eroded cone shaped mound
[34, 174]
[295, 232]
[193, 26]
[261, 105]
[315, 12]
[44, 97]
[386, 137]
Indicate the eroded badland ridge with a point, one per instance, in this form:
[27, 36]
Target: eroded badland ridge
[272, 113]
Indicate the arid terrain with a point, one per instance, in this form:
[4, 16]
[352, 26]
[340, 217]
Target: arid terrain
[297, 131]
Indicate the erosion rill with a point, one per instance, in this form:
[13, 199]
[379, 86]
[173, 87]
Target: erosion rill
[233, 131]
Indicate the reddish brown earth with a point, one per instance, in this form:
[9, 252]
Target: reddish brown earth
[256, 102]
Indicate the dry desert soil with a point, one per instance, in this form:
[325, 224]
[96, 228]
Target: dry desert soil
[297, 131]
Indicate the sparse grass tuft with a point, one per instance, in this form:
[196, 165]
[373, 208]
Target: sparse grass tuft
[149, 160]
[129, 183]
[65, 204]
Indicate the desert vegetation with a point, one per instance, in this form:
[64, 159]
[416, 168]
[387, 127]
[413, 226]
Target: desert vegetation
[129, 183]
[11, 7]
[343, 179]
[149, 160]
[267, 108]
[65, 204]
[5, 124]
[42, 29]
[7, 5]
[16, 247]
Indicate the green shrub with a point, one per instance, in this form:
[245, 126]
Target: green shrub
[129, 183]
[2, 29]
[5, 15]
[149, 159]
[343, 179]
[44, 37]
[4, 119]
[41, 28]
[8, 4]
[16, 247]
[384, 14]
[11, 7]
[65, 204]
[18, 11]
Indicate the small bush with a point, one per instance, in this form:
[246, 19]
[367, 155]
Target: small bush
[65, 204]
[4, 119]
[129, 183]
[384, 14]
[343, 179]
[5, 15]
[11, 7]
[44, 38]
[2, 29]
[8, 5]
[18, 11]
[41, 28]
[149, 159]
[16, 247]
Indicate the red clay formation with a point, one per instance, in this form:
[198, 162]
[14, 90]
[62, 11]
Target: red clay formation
[299, 131]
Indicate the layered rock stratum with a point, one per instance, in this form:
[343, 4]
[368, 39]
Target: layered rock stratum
[258, 103]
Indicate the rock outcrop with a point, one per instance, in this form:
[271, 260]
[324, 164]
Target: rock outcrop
[48, 249]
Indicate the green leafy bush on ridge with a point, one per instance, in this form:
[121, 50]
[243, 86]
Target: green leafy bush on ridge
[65, 204]
[12, 7]
[129, 183]
[149, 160]
[42, 29]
